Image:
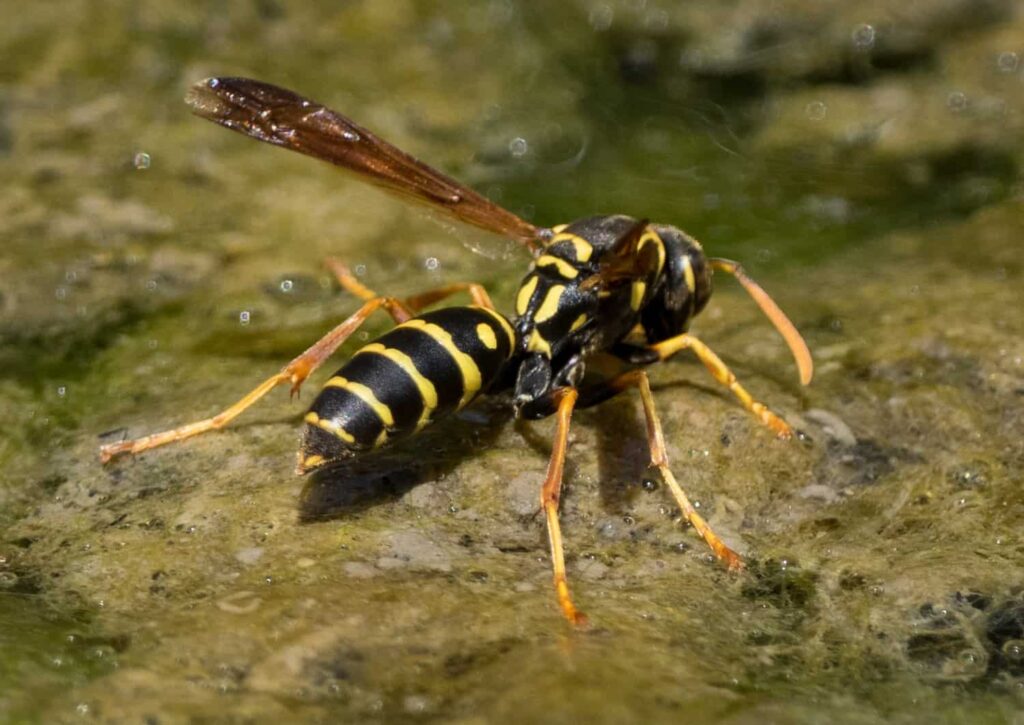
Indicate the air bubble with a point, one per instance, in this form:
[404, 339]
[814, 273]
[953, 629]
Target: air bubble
[816, 110]
[141, 161]
[431, 263]
[287, 285]
[518, 146]
[244, 317]
[956, 101]
[863, 37]
[1008, 62]
[62, 390]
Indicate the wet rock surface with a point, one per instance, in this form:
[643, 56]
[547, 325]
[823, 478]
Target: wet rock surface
[862, 160]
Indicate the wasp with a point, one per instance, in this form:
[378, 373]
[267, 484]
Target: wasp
[611, 285]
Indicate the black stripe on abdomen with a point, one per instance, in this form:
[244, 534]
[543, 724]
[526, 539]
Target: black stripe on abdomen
[432, 361]
[393, 387]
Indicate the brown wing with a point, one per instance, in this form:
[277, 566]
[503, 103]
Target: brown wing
[283, 118]
[620, 264]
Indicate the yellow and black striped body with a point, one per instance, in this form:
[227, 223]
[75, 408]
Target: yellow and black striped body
[419, 371]
[667, 283]
[596, 281]
[555, 312]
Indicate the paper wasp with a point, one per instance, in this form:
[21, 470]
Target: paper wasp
[603, 284]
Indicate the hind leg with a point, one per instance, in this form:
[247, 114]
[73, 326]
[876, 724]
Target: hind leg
[294, 373]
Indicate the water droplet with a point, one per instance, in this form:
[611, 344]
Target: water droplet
[62, 390]
[1008, 62]
[518, 146]
[1014, 650]
[956, 101]
[863, 37]
[360, 270]
[287, 285]
[649, 484]
[431, 263]
[816, 110]
[141, 161]
[151, 285]
[61, 293]
[244, 317]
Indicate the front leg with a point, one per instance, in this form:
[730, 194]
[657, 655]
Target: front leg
[721, 372]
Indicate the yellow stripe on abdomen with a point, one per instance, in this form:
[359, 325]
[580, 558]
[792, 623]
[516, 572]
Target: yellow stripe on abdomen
[329, 426]
[471, 380]
[365, 394]
[428, 392]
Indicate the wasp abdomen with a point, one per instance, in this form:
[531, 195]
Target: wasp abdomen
[421, 370]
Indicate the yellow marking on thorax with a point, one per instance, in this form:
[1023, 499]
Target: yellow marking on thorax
[565, 270]
[365, 394]
[580, 322]
[471, 381]
[428, 393]
[525, 294]
[329, 426]
[637, 295]
[549, 306]
[487, 336]
[538, 344]
[557, 229]
[691, 281]
[650, 237]
[503, 323]
[584, 249]
[312, 461]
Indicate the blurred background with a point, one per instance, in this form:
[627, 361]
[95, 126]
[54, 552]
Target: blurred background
[863, 160]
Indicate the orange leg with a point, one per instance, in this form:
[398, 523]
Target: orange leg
[294, 373]
[659, 459]
[549, 497]
[720, 371]
[417, 302]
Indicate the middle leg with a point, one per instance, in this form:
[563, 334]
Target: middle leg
[415, 303]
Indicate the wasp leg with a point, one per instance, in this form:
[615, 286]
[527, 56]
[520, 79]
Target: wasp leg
[720, 371]
[415, 303]
[294, 372]
[659, 459]
[549, 498]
